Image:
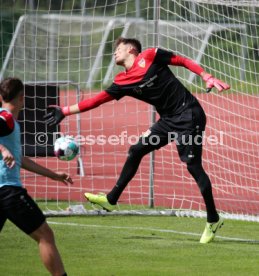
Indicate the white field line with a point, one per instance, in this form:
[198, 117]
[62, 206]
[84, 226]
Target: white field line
[148, 229]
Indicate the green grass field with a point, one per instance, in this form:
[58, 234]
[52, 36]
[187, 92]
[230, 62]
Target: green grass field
[136, 245]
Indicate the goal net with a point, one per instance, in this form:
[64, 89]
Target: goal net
[70, 47]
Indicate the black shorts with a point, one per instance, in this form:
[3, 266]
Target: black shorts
[17, 206]
[185, 129]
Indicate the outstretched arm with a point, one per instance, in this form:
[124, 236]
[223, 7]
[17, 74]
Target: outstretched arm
[31, 166]
[197, 69]
[56, 114]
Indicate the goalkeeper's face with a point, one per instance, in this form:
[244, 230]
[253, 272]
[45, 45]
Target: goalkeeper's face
[122, 53]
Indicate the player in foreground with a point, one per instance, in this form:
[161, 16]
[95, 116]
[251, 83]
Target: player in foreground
[148, 78]
[15, 203]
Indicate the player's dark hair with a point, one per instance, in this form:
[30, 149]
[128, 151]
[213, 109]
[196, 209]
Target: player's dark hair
[10, 88]
[134, 42]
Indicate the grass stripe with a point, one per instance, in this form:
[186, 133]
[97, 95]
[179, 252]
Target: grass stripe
[150, 229]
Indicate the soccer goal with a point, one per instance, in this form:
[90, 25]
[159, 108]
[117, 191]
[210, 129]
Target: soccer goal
[74, 43]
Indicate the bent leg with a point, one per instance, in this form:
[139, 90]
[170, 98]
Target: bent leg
[23, 211]
[48, 251]
[135, 154]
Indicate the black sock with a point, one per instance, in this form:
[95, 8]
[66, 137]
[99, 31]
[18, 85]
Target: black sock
[203, 181]
[135, 154]
[129, 170]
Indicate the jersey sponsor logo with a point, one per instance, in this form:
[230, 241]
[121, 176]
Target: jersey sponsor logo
[148, 83]
[142, 63]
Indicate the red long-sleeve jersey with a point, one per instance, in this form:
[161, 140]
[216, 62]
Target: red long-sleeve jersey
[150, 80]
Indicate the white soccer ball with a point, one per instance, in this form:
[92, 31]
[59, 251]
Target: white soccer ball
[66, 148]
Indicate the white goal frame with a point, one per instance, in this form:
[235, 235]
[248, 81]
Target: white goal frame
[186, 32]
[209, 29]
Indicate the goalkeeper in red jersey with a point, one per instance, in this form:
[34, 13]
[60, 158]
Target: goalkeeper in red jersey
[148, 78]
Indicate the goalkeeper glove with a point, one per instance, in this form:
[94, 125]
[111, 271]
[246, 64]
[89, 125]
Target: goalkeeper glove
[213, 82]
[54, 116]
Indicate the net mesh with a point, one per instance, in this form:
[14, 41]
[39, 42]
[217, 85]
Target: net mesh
[75, 43]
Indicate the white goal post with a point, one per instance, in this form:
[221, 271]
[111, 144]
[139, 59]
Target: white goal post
[75, 47]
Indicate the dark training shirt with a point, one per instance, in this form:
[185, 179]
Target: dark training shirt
[150, 80]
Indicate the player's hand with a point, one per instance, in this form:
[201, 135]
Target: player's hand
[54, 115]
[213, 82]
[63, 177]
[7, 157]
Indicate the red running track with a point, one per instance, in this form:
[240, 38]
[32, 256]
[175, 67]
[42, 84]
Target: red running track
[231, 165]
